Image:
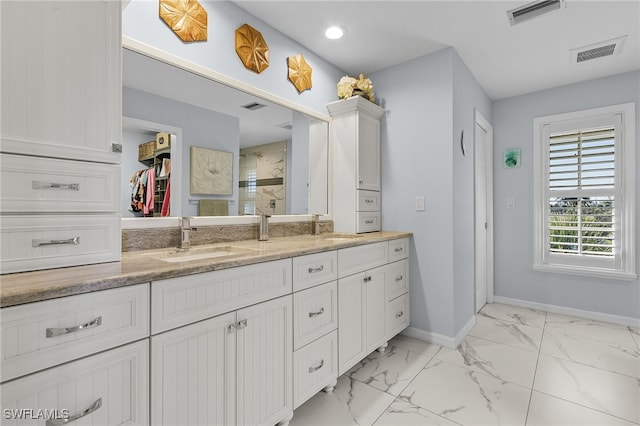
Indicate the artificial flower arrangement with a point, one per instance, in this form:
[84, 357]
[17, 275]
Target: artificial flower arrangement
[362, 86]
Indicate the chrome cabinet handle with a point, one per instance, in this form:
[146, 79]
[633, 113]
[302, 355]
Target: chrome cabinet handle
[315, 314]
[238, 325]
[52, 185]
[368, 200]
[54, 332]
[314, 270]
[91, 409]
[368, 222]
[316, 367]
[360, 180]
[399, 278]
[71, 241]
[399, 314]
[398, 249]
[366, 279]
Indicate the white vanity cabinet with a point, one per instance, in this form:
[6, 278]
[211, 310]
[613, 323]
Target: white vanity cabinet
[315, 320]
[356, 159]
[222, 349]
[60, 139]
[372, 299]
[43, 345]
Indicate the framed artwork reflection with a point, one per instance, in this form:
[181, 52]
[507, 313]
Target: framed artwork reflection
[211, 172]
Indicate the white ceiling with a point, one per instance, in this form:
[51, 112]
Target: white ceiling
[506, 60]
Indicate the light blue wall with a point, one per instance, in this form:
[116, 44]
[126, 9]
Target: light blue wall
[200, 127]
[141, 22]
[513, 128]
[468, 96]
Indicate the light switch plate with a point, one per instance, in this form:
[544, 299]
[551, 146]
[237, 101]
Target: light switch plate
[511, 203]
[420, 203]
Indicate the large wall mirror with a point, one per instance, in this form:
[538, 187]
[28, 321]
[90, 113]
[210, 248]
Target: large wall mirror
[215, 150]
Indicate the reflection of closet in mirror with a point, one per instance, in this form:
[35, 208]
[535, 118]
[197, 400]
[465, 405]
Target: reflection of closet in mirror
[141, 155]
[262, 179]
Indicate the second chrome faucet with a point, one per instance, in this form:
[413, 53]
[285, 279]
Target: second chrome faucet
[263, 227]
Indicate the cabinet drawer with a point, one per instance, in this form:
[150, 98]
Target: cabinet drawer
[315, 313]
[367, 222]
[183, 300]
[314, 367]
[40, 242]
[368, 201]
[34, 184]
[397, 279]
[356, 259]
[397, 315]
[111, 388]
[398, 249]
[43, 334]
[314, 269]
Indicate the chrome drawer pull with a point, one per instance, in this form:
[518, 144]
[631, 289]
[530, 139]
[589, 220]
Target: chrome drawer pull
[52, 185]
[314, 270]
[368, 222]
[238, 325]
[55, 332]
[315, 314]
[398, 249]
[91, 409]
[317, 367]
[368, 200]
[399, 314]
[399, 278]
[366, 279]
[71, 241]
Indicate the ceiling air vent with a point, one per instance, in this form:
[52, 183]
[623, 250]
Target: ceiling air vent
[597, 50]
[286, 126]
[253, 106]
[532, 10]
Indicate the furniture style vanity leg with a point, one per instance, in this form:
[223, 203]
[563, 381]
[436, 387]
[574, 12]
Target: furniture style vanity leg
[329, 388]
[383, 347]
[286, 420]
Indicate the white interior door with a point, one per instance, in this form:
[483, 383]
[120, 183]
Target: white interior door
[483, 184]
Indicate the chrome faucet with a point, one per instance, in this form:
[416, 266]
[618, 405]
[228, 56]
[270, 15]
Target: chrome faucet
[185, 235]
[315, 224]
[263, 228]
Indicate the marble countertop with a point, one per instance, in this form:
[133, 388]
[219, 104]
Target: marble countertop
[145, 266]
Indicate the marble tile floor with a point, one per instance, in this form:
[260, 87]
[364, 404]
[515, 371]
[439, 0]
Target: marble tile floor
[516, 367]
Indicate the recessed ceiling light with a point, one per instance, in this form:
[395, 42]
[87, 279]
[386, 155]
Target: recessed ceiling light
[334, 33]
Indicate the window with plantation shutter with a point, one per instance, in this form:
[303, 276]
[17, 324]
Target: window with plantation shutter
[584, 168]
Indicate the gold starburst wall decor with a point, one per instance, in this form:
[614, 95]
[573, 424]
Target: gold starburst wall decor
[251, 48]
[299, 72]
[187, 18]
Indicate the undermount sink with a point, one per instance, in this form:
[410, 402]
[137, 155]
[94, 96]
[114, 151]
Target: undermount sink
[199, 253]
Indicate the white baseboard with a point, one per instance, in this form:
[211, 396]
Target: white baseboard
[573, 312]
[440, 339]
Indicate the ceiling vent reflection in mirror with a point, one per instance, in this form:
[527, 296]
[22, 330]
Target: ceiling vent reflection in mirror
[253, 106]
[533, 10]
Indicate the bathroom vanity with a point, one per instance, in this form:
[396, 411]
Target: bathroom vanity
[233, 333]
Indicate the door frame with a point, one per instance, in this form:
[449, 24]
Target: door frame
[479, 120]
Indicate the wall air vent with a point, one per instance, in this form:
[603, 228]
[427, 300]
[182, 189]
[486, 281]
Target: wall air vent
[532, 10]
[286, 126]
[597, 50]
[253, 106]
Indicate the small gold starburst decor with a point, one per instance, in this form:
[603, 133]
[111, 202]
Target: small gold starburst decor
[299, 72]
[187, 18]
[251, 48]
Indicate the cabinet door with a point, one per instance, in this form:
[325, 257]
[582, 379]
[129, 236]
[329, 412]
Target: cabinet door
[193, 374]
[368, 140]
[375, 308]
[61, 78]
[110, 388]
[351, 339]
[265, 362]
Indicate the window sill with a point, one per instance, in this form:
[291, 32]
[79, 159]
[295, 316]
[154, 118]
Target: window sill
[586, 272]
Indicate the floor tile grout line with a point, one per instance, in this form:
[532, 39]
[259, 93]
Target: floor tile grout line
[535, 371]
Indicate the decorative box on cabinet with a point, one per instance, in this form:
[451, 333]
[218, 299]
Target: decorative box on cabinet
[61, 101]
[315, 321]
[110, 388]
[356, 158]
